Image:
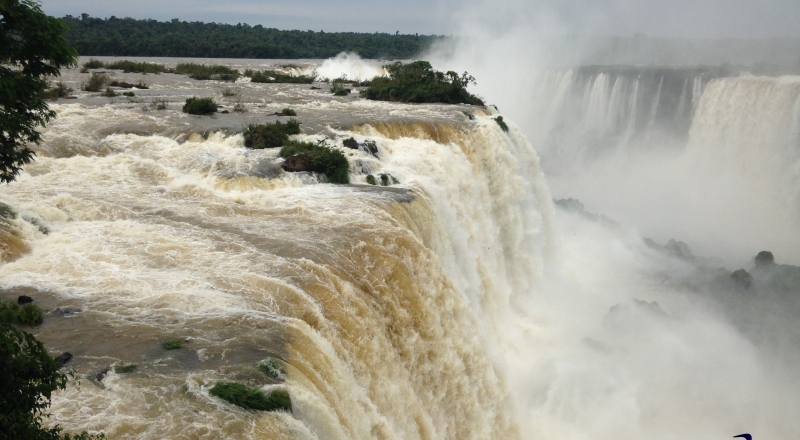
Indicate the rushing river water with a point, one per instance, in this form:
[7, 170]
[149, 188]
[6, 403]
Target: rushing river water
[458, 303]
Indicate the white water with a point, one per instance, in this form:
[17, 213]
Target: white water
[350, 66]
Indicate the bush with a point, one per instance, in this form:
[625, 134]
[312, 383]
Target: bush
[203, 72]
[371, 179]
[142, 85]
[128, 94]
[288, 112]
[229, 92]
[109, 93]
[174, 344]
[321, 159]
[125, 369]
[93, 64]
[57, 91]
[26, 314]
[338, 89]
[251, 398]
[384, 180]
[96, 82]
[136, 67]
[200, 106]
[418, 82]
[501, 123]
[158, 104]
[270, 135]
[272, 77]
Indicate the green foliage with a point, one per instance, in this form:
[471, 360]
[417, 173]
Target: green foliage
[30, 375]
[200, 106]
[93, 64]
[501, 123]
[142, 85]
[418, 82]
[272, 368]
[109, 93]
[371, 179]
[384, 180]
[158, 104]
[7, 211]
[288, 112]
[270, 135]
[203, 72]
[57, 91]
[174, 344]
[338, 88]
[239, 106]
[26, 314]
[273, 77]
[33, 47]
[130, 37]
[251, 398]
[228, 92]
[96, 82]
[133, 66]
[128, 94]
[125, 369]
[321, 159]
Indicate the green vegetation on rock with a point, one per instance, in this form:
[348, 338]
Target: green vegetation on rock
[272, 368]
[501, 123]
[417, 82]
[270, 135]
[57, 91]
[251, 398]
[96, 82]
[93, 64]
[288, 112]
[318, 158]
[26, 314]
[109, 93]
[371, 179]
[200, 106]
[338, 88]
[133, 66]
[125, 369]
[203, 72]
[273, 77]
[174, 344]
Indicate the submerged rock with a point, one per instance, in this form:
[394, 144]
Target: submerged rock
[63, 358]
[24, 300]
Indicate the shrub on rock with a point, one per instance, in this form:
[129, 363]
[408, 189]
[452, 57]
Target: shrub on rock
[200, 106]
[305, 156]
[252, 398]
[270, 135]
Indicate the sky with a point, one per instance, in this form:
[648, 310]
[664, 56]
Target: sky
[661, 18]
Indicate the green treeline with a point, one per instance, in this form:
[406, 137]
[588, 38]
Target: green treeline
[130, 37]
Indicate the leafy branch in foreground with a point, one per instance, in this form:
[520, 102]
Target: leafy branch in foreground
[417, 82]
[33, 46]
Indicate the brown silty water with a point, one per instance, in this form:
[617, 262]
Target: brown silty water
[137, 226]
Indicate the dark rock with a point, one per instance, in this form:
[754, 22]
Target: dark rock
[24, 300]
[351, 143]
[301, 162]
[765, 258]
[100, 375]
[742, 278]
[65, 312]
[224, 112]
[63, 358]
[122, 84]
[7, 212]
[315, 88]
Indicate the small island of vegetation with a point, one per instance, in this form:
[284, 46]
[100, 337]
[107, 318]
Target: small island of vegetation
[418, 82]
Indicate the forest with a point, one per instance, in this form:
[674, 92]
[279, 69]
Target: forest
[130, 37]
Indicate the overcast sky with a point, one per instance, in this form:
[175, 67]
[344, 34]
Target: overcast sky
[674, 18]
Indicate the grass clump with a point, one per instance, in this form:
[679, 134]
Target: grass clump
[371, 179]
[272, 368]
[203, 72]
[273, 77]
[320, 159]
[128, 94]
[501, 123]
[93, 64]
[174, 344]
[269, 135]
[200, 106]
[239, 106]
[57, 91]
[251, 398]
[158, 104]
[136, 67]
[96, 82]
[288, 112]
[142, 85]
[109, 93]
[26, 314]
[418, 82]
[125, 369]
[228, 92]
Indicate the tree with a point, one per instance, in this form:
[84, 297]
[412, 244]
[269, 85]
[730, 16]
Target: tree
[28, 377]
[33, 46]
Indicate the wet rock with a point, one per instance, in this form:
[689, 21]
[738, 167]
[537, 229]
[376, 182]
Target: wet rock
[315, 88]
[351, 143]
[65, 312]
[24, 300]
[301, 162]
[63, 358]
[99, 375]
[7, 212]
[224, 112]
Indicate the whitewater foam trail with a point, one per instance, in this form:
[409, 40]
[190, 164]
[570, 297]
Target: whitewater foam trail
[388, 310]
